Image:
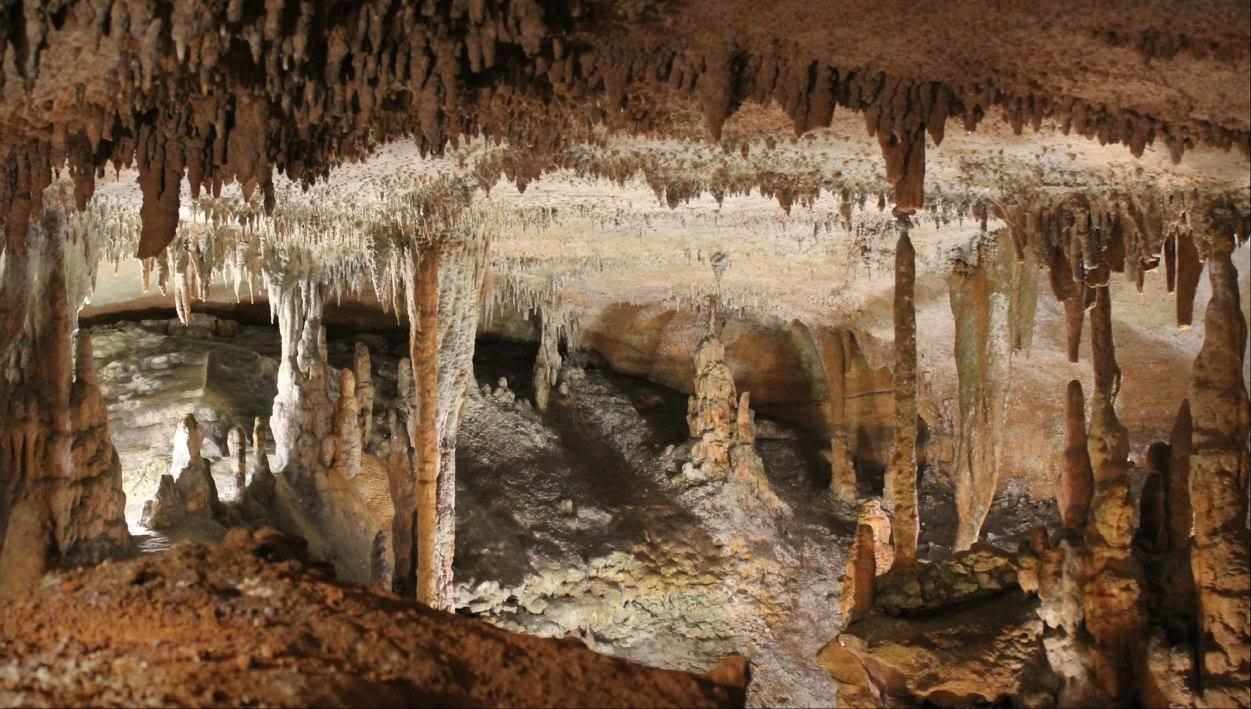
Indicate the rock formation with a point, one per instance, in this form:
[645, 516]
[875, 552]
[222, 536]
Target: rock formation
[1076, 484]
[1219, 460]
[187, 493]
[723, 429]
[61, 499]
[901, 476]
[981, 306]
[374, 651]
[547, 364]
[238, 449]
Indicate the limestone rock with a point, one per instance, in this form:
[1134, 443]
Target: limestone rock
[723, 429]
[986, 652]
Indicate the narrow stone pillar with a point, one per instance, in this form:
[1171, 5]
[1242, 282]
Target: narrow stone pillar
[237, 448]
[424, 351]
[362, 367]
[1219, 554]
[260, 461]
[347, 430]
[1111, 592]
[1076, 479]
[833, 350]
[901, 482]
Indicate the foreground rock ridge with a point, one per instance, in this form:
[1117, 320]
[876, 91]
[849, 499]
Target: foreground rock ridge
[820, 354]
[235, 623]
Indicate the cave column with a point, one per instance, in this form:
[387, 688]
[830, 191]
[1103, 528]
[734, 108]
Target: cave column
[832, 347]
[61, 498]
[901, 476]
[1219, 553]
[424, 356]
[236, 446]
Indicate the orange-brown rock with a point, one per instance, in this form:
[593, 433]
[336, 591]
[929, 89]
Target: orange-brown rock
[901, 476]
[1076, 484]
[1220, 553]
[230, 624]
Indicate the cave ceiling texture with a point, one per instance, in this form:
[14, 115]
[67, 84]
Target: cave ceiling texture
[625, 353]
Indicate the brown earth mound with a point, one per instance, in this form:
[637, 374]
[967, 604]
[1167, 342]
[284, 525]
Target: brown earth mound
[251, 623]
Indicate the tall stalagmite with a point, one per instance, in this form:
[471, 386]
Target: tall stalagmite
[1220, 554]
[1077, 482]
[901, 480]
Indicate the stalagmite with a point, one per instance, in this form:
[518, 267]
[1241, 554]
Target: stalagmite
[1076, 485]
[901, 476]
[1112, 588]
[859, 574]
[547, 364]
[260, 461]
[1220, 552]
[723, 430]
[347, 427]
[363, 369]
[236, 446]
[424, 351]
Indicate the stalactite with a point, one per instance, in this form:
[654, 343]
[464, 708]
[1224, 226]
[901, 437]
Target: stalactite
[902, 473]
[983, 354]
[1102, 347]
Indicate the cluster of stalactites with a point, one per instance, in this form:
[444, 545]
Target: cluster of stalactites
[350, 246]
[231, 92]
[1084, 239]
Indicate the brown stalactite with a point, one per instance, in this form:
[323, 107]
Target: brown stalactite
[424, 354]
[1076, 479]
[905, 167]
[902, 473]
[1103, 348]
[1074, 316]
[1220, 552]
